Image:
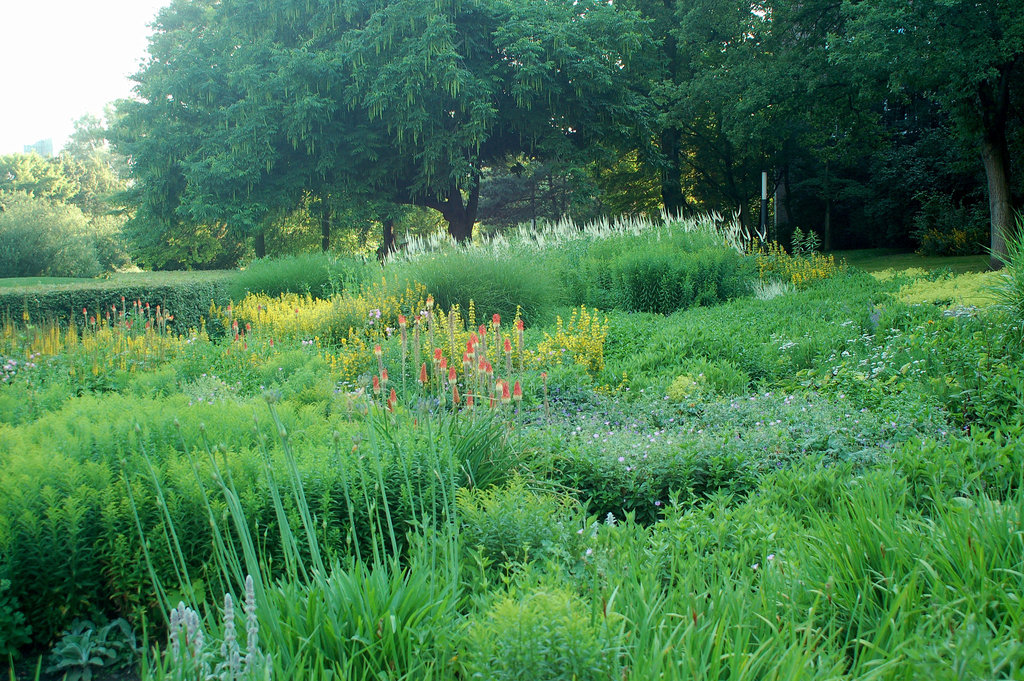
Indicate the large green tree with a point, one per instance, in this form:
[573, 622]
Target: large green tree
[966, 56]
[248, 106]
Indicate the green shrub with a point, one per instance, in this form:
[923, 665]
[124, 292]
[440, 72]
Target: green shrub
[39, 237]
[659, 272]
[664, 282]
[544, 635]
[320, 275]
[499, 283]
[187, 297]
[515, 523]
[943, 227]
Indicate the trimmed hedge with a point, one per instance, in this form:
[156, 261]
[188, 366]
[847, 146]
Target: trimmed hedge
[186, 296]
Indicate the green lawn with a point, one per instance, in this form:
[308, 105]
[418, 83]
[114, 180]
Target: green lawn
[878, 259]
[155, 278]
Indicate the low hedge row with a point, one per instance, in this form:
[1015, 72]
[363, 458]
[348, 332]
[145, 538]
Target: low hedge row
[187, 298]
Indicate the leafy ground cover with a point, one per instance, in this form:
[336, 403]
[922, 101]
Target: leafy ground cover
[820, 482]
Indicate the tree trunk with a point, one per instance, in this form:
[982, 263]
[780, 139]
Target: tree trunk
[672, 174]
[460, 215]
[783, 233]
[325, 229]
[261, 245]
[1000, 206]
[995, 155]
[387, 245]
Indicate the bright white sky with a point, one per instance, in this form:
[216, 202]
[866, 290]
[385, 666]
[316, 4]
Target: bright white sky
[62, 59]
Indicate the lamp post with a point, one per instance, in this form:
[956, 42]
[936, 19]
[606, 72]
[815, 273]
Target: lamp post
[764, 205]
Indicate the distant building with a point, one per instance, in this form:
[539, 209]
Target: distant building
[43, 147]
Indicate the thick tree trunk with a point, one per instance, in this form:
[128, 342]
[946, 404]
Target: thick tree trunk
[672, 174]
[261, 245]
[995, 156]
[387, 244]
[325, 230]
[460, 215]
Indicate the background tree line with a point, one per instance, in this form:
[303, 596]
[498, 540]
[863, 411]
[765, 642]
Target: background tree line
[269, 126]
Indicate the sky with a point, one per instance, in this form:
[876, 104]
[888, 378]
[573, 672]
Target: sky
[62, 59]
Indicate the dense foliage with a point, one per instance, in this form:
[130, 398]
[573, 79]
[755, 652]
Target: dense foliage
[824, 482]
[874, 125]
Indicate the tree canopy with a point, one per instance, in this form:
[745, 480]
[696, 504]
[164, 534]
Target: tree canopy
[247, 105]
[867, 115]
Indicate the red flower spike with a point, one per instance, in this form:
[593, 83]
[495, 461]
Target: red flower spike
[376, 385]
[496, 320]
[519, 325]
[377, 351]
[392, 400]
[423, 373]
[469, 400]
[517, 392]
[437, 354]
[384, 376]
[455, 394]
[443, 364]
[452, 376]
[401, 320]
[505, 396]
[473, 338]
[248, 327]
[508, 346]
[482, 331]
